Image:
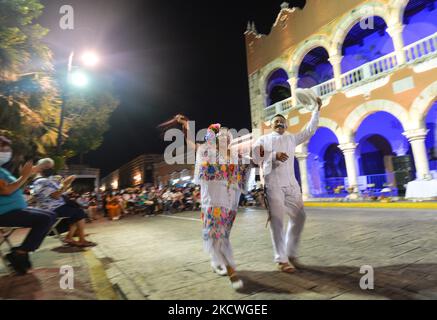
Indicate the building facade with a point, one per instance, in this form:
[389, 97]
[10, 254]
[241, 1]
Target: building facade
[148, 169]
[374, 64]
[173, 174]
[137, 172]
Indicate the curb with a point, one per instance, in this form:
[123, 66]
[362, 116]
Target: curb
[124, 287]
[100, 283]
[372, 205]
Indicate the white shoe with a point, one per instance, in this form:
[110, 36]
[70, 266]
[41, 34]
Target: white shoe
[236, 285]
[220, 270]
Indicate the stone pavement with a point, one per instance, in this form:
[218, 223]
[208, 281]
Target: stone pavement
[43, 282]
[161, 257]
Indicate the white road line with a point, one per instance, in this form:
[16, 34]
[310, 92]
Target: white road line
[181, 218]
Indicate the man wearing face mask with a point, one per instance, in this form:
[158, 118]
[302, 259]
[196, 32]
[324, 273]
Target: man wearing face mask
[275, 151]
[15, 213]
[48, 193]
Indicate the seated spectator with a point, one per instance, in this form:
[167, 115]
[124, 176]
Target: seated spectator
[83, 201]
[153, 198]
[177, 199]
[196, 198]
[49, 196]
[126, 202]
[14, 211]
[93, 208]
[167, 200]
[113, 207]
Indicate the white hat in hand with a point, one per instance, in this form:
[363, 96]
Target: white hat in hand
[307, 98]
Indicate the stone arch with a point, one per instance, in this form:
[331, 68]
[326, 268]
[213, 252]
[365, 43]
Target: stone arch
[333, 126]
[268, 71]
[397, 10]
[306, 46]
[346, 24]
[326, 123]
[357, 115]
[421, 105]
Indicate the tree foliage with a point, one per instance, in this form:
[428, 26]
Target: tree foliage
[28, 92]
[88, 119]
[30, 102]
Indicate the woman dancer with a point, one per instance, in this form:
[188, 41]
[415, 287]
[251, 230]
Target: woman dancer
[222, 177]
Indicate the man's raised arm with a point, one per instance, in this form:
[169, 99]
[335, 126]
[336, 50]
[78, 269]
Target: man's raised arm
[310, 129]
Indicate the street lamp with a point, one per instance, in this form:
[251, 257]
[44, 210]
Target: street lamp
[90, 58]
[77, 78]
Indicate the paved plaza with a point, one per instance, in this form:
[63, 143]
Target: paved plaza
[161, 257]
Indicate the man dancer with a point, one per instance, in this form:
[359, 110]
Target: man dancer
[275, 151]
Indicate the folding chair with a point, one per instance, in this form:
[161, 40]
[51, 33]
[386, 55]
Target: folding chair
[5, 233]
[53, 229]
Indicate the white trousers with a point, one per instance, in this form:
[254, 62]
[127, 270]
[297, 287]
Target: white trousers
[220, 251]
[285, 201]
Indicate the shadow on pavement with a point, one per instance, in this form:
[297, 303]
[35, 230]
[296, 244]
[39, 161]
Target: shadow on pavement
[68, 249]
[397, 282]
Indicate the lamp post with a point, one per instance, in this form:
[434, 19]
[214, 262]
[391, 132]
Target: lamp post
[78, 79]
[64, 98]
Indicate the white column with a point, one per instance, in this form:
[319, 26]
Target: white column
[396, 33]
[302, 158]
[293, 86]
[348, 150]
[335, 60]
[417, 140]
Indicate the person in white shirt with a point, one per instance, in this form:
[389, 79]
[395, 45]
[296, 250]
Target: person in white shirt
[275, 152]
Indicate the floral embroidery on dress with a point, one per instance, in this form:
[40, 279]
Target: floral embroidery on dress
[217, 222]
[234, 175]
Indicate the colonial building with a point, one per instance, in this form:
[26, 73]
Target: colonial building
[172, 174]
[135, 173]
[148, 169]
[374, 64]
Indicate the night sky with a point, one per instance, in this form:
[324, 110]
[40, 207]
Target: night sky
[164, 57]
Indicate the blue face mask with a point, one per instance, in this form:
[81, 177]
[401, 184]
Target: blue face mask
[5, 157]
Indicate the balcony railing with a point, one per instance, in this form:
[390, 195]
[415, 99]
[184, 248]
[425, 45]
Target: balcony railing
[370, 70]
[324, 88]
[279, 107]
[422, 48]
[419, 50]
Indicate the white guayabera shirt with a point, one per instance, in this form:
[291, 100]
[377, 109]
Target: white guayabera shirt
[277, 173]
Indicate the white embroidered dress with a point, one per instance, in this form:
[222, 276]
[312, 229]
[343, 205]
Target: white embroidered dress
[221, 183]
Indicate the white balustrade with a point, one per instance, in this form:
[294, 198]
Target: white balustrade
[418, 50]
[281, 107]
[324, 88]
[422, 48]
[370, 70]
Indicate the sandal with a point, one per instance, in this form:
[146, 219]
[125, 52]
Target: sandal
[285, 267]
[69, 242]
[87, 244]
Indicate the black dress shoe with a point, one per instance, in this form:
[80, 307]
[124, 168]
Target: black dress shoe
[19, 262]
[28, 263]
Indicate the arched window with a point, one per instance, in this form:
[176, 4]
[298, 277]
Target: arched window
[277, 88]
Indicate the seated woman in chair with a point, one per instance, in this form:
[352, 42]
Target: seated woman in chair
[14, 211]
[49, 196]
